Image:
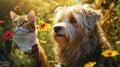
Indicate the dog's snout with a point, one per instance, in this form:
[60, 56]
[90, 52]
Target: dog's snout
[57, 28]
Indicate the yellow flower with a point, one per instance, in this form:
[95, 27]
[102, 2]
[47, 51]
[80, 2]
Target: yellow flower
[51, 19]
[110, 53]
[90, 64]
[43, 26]
[42, 41]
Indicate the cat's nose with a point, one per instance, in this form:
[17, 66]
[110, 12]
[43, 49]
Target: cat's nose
[20, 25]
[18, 28]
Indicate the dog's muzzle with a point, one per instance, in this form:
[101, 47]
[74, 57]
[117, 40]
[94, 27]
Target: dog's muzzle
[57, 29]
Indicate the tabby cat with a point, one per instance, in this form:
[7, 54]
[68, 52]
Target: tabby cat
[25, 37]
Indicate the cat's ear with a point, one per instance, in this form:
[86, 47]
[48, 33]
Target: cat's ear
[13, 15]
[31, 15]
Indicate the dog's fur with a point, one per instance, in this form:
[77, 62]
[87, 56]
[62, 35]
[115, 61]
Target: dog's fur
[76, 34]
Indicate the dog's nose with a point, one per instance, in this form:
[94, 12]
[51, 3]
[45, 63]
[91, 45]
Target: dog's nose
[57, 28]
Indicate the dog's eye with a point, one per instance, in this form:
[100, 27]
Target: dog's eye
[60, 20]
[73, 20]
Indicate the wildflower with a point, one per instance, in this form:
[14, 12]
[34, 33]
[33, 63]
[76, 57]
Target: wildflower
[110, 53]
[16, 8]
[51, 19]
[90, 64]
[2, 21]
[43, 26]
[42, 41]
[7, 35]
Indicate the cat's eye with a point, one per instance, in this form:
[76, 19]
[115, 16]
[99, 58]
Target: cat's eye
[24, 21]
[15, 22]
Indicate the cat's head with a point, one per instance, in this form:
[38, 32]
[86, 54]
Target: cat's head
[22, 24]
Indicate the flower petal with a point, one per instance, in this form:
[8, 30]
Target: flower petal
[2, 21]
[43, 26]
[7, 35]
[110, 53]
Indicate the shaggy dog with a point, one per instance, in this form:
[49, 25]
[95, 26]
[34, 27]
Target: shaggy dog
[76, 34]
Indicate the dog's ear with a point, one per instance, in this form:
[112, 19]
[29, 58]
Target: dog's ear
[57, 13]
[58, 8]
[91, 17]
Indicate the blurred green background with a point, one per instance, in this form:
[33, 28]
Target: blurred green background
[45, 12]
